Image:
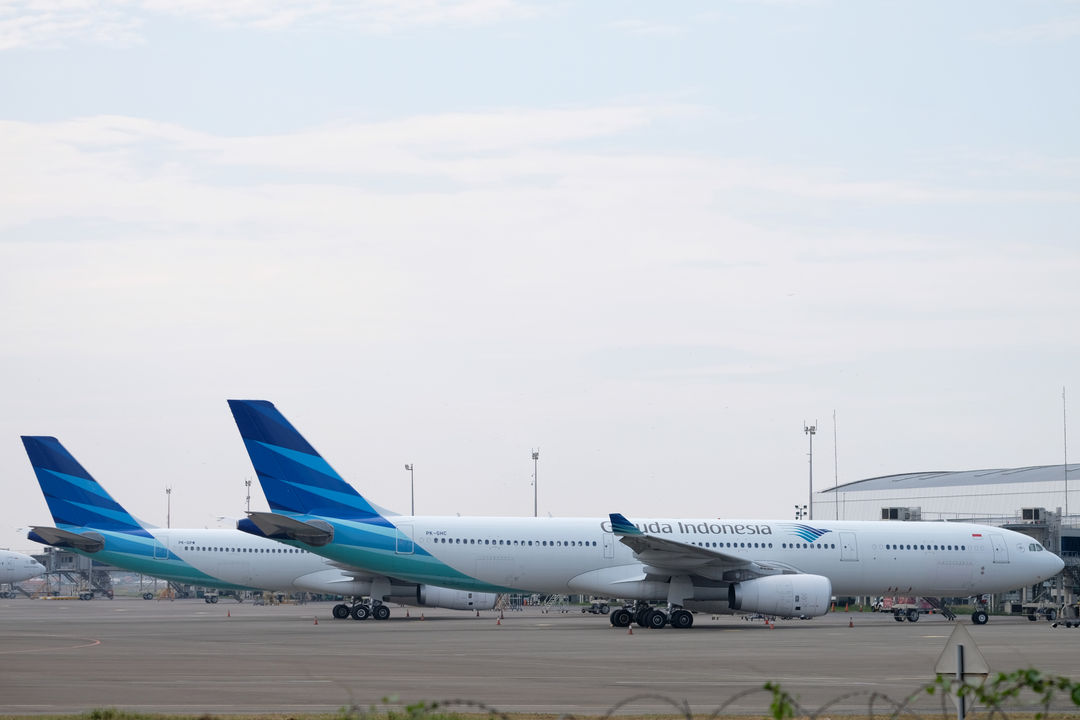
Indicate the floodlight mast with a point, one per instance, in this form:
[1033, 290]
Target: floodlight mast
[811, 430]
[412, 493]
[536, 460]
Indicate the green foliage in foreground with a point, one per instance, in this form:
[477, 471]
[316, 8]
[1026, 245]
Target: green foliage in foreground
[1019, 689]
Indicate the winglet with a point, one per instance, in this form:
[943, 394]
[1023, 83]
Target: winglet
[622, 526]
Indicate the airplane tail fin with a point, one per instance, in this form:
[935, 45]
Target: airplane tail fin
[75, 499]
[294, 477]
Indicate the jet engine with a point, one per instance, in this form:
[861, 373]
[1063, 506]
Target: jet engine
[434, 596]
[784, 595]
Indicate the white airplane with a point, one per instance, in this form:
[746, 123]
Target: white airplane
[92, 524]
[778, 568]
[15, 567]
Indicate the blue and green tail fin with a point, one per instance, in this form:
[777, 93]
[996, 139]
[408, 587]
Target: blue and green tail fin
[74, 498]
[294, 477]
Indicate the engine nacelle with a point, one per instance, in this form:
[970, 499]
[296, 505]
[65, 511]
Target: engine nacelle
[440, 597]
[784, 595]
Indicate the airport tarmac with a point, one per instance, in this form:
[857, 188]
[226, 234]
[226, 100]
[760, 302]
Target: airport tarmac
[186, 656]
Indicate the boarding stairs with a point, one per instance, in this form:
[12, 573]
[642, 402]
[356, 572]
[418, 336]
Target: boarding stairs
[558, 603]
[940, 607]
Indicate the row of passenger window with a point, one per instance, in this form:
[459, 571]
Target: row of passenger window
[763, 546]
[518, 543]
[925, 547]
[282, 549]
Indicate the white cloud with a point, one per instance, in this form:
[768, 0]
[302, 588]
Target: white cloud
[1051, 31]
[648, 27]
[118, 23]
[635, 237]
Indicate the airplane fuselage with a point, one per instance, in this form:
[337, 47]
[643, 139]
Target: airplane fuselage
[220, 558]
[582, 555]
[15, 567]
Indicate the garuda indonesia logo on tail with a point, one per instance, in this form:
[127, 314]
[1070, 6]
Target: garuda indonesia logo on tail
[807, 533]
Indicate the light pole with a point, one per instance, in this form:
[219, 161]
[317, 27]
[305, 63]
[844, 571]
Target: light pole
[536, 461]
[800, 512]
[412, 494]
[168, 506]
[247, 484]
[811, 430]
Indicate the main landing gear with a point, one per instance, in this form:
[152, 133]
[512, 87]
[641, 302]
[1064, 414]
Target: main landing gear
[359, 610]
[650, 617]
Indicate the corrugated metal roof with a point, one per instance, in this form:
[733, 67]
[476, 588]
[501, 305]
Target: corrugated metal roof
[962, 478]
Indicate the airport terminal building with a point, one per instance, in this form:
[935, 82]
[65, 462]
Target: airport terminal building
[1041, 501]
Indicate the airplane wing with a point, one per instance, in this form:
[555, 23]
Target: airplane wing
[671, 557]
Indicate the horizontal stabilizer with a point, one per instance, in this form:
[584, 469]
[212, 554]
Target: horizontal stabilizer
[90, 542]
[283, 527]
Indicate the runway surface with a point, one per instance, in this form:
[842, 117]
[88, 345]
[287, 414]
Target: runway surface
[190, 657]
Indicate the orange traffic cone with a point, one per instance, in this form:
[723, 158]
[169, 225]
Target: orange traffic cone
[477, 612]
[228, 613]
[850, 623]
[499, 621]
[421, 615]
[833, 608]
[406, 612]
[629, 629]
[316, 621]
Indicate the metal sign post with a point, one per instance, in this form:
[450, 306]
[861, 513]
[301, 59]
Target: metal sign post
[961, 657]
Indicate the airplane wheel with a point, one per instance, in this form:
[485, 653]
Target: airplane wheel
[604, 609]
[1051, 615]
[898, 617]
[360, 612]
[381, 612]
[682, 619]
[341, 611]
[621, 618]
[656, 619]
[214, 599]
[913, 615]
[979, 617]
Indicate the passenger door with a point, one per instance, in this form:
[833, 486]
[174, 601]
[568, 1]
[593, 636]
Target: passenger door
[849, 550]
[1001, 552]
[405, 543]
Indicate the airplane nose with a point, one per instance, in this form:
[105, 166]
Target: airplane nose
[1056, 565]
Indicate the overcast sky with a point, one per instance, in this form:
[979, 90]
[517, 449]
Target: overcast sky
[650, 239]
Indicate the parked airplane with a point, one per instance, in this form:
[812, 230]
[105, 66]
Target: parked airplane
[711, 565]
[92, 524]
[14, 567]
